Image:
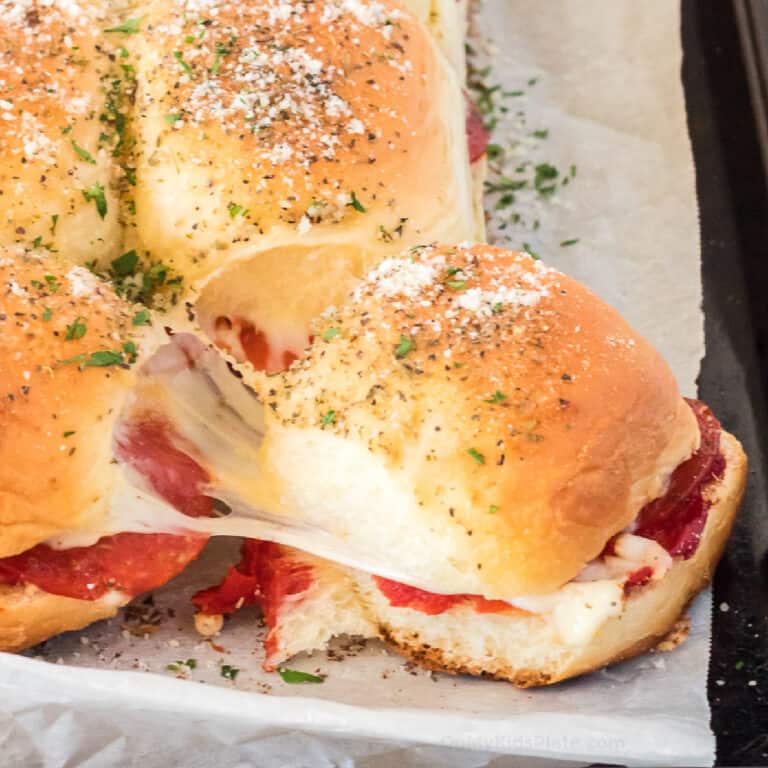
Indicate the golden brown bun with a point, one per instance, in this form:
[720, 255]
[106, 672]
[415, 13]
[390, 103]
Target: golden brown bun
[28, 615]
[526, 649]
[494, 426]
[523, 651]
[277, 129]
[55, 73]
[56, 418]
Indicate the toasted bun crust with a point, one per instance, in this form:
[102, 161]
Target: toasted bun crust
[296, 124]
[54, 69]
[55, 419]
[28, 615]
[523, 648]
[484, 409]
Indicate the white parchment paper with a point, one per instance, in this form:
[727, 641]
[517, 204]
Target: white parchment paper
[608, 92]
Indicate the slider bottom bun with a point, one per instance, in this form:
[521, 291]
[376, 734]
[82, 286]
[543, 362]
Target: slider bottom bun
[523, 648]
[29, 615]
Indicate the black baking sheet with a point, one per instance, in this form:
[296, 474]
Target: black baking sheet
[727, 126]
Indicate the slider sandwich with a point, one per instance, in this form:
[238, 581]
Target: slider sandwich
[476, 460]
[514, 484]
[69, 352]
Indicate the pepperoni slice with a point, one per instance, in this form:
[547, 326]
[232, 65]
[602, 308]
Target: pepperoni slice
[130, 563]
[148, 447]
[258, 353]
[404, 596]
[477, 135]
[677, 519]
[267, 574]
[241, 586]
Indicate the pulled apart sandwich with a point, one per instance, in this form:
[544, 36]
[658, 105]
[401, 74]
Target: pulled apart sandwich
[475, 458]
[489, 427]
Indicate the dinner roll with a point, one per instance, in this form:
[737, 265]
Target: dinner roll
[484, 416]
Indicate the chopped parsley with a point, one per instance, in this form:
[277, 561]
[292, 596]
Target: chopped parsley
[329, 417]
[457, 285]
[566, 243]
[493, 151]
[493, 509]
[68, 433]
[229, 672]
[404, 347]
[138, 281]
[129, 347]
[179, 56]
[37, 241]
[54, 222]
[221, 51]
[101, 359]
[177, 666]
[128, 27]
[83, 154]
[47, 313]
[125, 265]
[497, 397]
[236, 210]
[356, 204]
[497, 308]
[543, 181]
[331, 333]
[75, 330]
[293, 676]
[172, 119]
[527, 248]
[540, 134]
[51, 282]
[104, 358]
[66, 129]
[476, 455]
[95, 193]
[142, 317]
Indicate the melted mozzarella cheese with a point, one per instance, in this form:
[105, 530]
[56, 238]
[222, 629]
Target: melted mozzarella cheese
[210, 409]
[578, 609]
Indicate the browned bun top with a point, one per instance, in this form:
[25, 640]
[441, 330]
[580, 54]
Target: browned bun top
[528, 420]
[259, 117]
[58, 109]
[65, 358]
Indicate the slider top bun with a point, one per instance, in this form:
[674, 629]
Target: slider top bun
[64, 373]
[264, 124]
[57, 152]
[483, 421]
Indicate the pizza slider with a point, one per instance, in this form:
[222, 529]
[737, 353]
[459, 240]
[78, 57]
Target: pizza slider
[504, 477]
